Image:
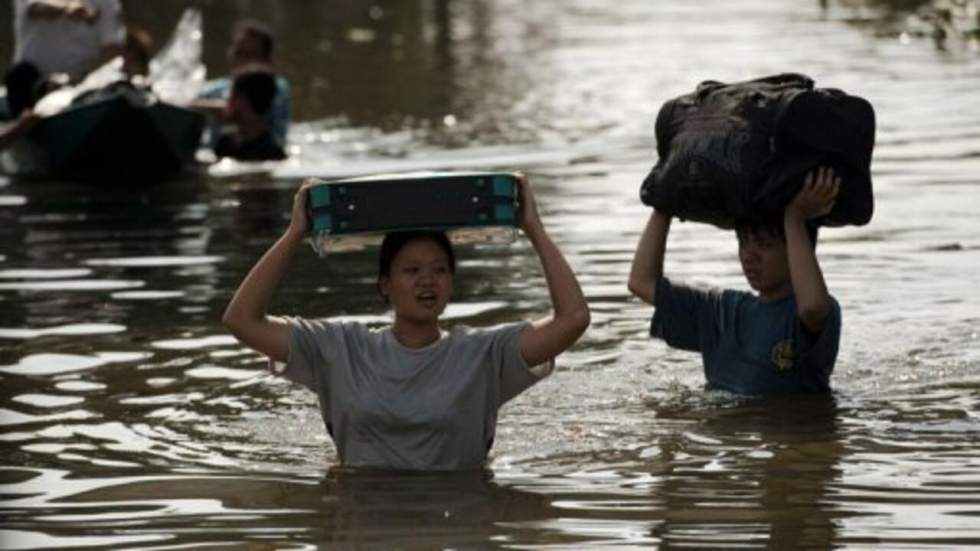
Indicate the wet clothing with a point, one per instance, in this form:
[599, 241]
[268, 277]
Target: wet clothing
[277, 119]
[262, 148]
[65, 45]
[393, 407]
[748, 346]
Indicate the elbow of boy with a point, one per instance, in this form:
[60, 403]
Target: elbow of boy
[634, 287]
[812, 316]
[631, 285]
[641, 288]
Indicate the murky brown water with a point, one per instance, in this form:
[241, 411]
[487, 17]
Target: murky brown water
[129, 419]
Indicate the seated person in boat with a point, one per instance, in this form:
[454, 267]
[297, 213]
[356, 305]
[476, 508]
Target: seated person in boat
[411, 396]
[26, 84]
[252, 43]
[782, 338]
[70, 37]
[136, 53]
[249, 138]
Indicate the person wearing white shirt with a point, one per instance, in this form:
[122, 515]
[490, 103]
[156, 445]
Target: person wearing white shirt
[67, 36]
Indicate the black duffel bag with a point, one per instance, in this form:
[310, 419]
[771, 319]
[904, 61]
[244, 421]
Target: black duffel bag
[741, 151]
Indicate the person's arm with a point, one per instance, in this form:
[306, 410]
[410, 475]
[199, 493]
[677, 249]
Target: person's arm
[213, 107]
[80, 10]
[246, 316]
[815, 199]
[24, 122]
[550, 336]
[648, 261]
[46, 9]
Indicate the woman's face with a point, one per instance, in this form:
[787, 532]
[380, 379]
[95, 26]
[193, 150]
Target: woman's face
[420, 283]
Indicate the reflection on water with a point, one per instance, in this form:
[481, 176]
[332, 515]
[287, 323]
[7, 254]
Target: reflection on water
[129, 418]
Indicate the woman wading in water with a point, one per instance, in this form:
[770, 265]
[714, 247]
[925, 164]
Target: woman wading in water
[411, 396]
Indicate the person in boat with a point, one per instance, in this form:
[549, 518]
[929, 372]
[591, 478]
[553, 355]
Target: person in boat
[26, 85]
[249, 137]
[252, 43]
[411, 396]
[70, 37]
[136, 53]
[784, 338]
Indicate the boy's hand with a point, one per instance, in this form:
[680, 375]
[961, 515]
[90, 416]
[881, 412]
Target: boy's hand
[817, 196]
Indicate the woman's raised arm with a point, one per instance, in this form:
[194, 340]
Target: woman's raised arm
[247, 314]
[550, 336]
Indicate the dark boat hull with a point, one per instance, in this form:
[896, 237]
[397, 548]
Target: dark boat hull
[115, 138]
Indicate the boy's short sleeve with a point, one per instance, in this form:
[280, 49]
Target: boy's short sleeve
[819, 352]
[684, 315]
[515, 375]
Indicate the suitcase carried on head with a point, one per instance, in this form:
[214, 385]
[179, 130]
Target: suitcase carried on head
[470, 207]
[737, 151]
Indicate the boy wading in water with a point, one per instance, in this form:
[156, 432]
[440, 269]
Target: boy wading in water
[782, 338]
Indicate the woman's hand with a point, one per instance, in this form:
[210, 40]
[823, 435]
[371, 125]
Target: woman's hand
[528, 218]
[299, 217]
[817, 196]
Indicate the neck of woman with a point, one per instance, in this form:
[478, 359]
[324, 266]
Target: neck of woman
[414, 334]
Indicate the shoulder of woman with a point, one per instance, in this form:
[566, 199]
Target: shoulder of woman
[489, 331]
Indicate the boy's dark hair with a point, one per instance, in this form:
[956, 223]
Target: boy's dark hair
[745, 227]
[262, 32]
[256, 85]
[395, 241]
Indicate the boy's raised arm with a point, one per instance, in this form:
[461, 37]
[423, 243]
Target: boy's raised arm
[648, 261]
[815, 199]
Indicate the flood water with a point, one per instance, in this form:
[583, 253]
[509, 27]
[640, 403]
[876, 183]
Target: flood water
[130, 419]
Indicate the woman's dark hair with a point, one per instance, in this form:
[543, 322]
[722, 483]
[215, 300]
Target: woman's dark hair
[395, 241]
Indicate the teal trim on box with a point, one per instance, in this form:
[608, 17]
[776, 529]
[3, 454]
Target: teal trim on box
[504, 214]
[319, 196]
[503, 185]
[322, 222]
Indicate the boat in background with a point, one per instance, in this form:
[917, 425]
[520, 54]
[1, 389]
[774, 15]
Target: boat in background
[109, 128]
[121, 133]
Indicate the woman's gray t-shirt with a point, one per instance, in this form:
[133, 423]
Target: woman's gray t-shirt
[393, 407]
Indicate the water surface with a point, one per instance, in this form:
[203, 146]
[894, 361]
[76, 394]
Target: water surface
[129, 418]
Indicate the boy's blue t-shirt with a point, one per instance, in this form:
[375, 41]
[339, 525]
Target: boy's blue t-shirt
[748, 346]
